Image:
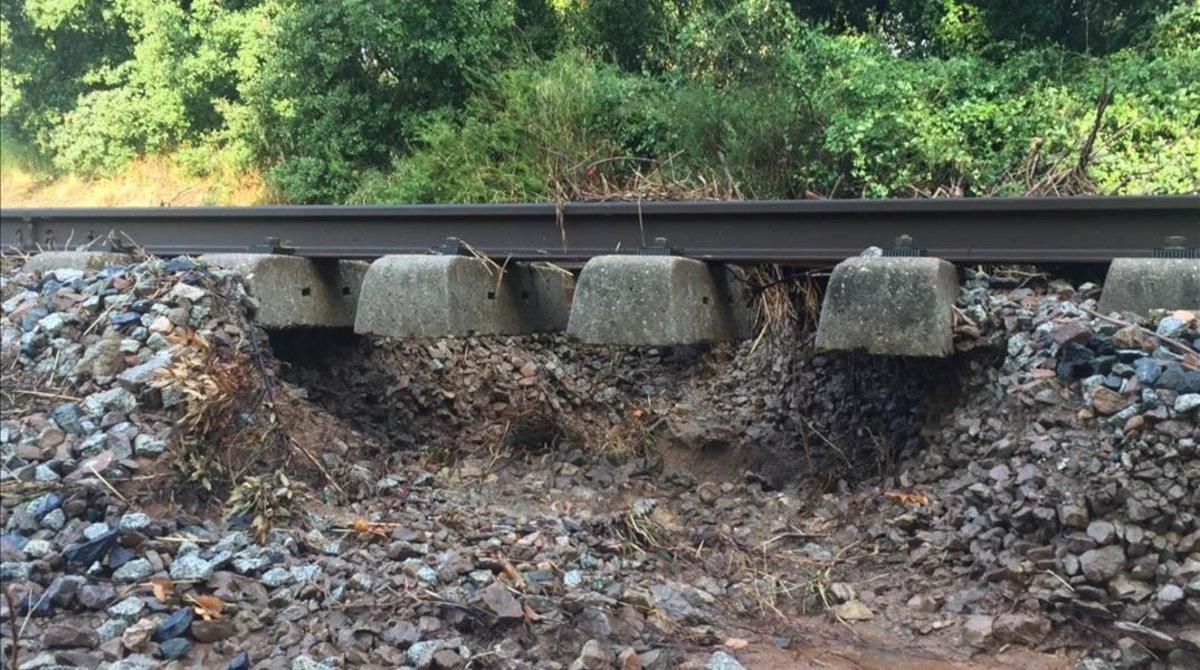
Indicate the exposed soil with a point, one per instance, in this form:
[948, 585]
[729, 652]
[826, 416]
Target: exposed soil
[773, 410]
[531, 502]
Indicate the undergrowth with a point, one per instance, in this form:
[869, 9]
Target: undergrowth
[406, 101]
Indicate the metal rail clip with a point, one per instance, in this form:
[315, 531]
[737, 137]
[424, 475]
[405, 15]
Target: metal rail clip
[273, 245]
[452, 247]
[659, 247]
[904, 248]
[1175, 246]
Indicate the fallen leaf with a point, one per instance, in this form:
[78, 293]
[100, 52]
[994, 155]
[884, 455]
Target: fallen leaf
[907, 497]
[363, 527]
[163, 588]
[513, 576]
[208, 607]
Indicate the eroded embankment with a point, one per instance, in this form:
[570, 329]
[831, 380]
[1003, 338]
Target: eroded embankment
[771, 409]
[527, 502]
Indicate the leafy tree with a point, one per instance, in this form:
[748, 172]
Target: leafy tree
[52, 52]
[350, 80]
[1091, 26]
[539, 26]
[457, 100]
[166, 93]
[532, 129]
[97, 84]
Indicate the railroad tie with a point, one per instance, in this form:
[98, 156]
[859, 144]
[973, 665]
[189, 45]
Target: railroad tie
[427, 296]
[890, 306]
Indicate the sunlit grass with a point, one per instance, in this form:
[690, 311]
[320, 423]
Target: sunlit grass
[146, 182]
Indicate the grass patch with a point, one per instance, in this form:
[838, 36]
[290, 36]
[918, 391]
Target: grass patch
[150, 181]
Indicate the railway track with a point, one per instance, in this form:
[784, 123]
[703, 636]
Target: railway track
[1054, 230]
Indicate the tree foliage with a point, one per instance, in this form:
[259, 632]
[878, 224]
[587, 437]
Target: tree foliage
[350, 79]
[471, 100]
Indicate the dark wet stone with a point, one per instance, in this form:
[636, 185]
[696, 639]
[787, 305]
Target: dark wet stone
[180, 264]
[124, 319]
[38, 605]
[240, 661]
[1075, 361]
[86, 553]
[120, 556]
[176, 647]
[13, 541]
[1171, 377]
[67, 416]
[174, 625]
[44, 504]
[1190, 383]
[29, 319]
[1147, 370]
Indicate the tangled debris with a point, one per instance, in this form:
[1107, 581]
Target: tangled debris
[174, 495]
[131, 362]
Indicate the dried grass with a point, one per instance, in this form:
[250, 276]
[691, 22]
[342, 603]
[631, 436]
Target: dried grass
[147, 182]
[209, 387]
[644, 179]
[786, 300]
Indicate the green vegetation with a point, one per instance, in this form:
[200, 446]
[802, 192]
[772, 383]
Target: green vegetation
[498, 100]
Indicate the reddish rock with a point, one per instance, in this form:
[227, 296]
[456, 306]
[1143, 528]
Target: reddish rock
[1135, 422]
[1132, 337]
[501, 602]
[61, 636]
[1071, 331]
[1107, 401]
[212, 631]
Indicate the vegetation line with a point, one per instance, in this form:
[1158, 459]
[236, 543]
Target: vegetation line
[406, 101]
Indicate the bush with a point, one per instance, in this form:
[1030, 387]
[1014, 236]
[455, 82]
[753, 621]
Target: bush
[481, 100]
[349, 82]
[141, 77]
[534, 128]
[108, 128]
[783, 110]
[1151, 132]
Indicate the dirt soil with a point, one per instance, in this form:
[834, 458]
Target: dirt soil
[530, 502]
[711, 421]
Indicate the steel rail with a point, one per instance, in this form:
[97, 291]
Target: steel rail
[1078, 229]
